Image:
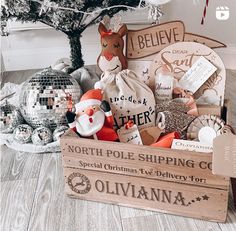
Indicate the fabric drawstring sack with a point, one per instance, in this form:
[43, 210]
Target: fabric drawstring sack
[130, 99]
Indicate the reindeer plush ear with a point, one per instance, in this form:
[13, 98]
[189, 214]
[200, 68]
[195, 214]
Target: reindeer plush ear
[101, 28]
[123, 30]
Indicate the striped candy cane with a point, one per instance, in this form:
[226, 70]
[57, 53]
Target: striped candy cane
[204, 12]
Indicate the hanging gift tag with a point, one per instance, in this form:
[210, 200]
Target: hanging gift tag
[129, 133]
[224, 155]
[197, 75]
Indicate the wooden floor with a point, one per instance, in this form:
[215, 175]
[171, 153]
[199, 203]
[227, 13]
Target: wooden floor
[33, 198]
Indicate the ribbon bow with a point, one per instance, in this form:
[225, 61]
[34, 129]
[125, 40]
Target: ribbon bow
[109, 32]
[129, 124]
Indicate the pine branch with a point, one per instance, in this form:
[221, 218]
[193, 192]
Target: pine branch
[93, 20]
[83, 20]
[46, 22]
[70, 22]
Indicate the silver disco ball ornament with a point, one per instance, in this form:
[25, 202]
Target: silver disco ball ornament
[58, 132]
[22, 133]
[10, 118]
[41, 136]
[46, 97]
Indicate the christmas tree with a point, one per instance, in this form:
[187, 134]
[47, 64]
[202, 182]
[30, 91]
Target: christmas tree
[71, 17]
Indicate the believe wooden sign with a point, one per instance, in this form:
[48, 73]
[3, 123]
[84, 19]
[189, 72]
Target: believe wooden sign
[145, 42]
[151, 40]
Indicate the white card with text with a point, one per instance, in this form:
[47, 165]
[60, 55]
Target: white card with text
[191, 145]
[197, 75]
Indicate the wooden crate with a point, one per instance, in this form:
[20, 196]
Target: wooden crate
[166, 180]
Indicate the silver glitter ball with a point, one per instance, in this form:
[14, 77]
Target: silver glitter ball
[59, 131]
[46, 97]
[10, 118]
[22, 133]
[41, 136]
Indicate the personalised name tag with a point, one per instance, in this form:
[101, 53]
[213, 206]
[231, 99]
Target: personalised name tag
[224, 155]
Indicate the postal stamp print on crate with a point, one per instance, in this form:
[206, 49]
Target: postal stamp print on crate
[150, 178]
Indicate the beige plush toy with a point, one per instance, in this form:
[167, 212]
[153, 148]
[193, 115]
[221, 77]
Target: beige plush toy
[112, 58]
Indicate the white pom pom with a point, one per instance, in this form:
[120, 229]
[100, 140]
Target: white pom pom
[99, 85]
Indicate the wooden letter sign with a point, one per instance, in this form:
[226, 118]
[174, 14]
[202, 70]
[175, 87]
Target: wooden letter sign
[151, 40]
[148, 41]
[212, 43]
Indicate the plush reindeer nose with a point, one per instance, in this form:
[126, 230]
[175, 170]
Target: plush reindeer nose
[108, 56]
[89, 112]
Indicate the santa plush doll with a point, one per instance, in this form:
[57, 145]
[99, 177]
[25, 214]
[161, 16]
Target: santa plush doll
[93, 117]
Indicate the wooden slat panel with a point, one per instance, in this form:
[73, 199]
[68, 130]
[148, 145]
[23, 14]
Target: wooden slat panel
[163, 222]
[19, 165]
[168, 197]
[51, 209]
[54, 210]
[230, 224]
[130, 160]
[16, 204]
[96, 216]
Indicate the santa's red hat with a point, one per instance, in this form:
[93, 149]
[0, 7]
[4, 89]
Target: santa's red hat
[90, 98]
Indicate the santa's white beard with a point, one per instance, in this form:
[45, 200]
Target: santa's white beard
[90, 125]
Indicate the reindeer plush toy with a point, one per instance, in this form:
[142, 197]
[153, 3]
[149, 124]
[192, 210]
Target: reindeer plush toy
[129, 98]
[112, 58]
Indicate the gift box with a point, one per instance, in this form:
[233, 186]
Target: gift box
[165, 180]
[168, 180]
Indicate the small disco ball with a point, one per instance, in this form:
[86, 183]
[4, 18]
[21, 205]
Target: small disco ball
[46, 97]
[22, 133]
[58, 132]
[10, 118]
[41, 136]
